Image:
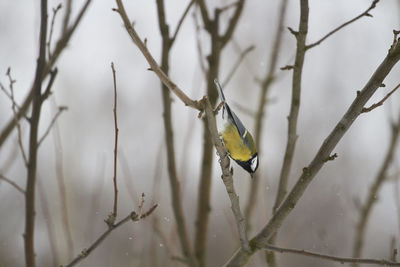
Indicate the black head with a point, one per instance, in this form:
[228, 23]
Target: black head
[251, 165]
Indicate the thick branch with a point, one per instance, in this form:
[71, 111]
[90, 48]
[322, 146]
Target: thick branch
[33, 142]
[309, 172]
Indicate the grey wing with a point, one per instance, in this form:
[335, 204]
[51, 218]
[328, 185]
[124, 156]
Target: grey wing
[236, 121]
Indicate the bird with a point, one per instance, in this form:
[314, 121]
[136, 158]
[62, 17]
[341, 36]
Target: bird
[237, 139]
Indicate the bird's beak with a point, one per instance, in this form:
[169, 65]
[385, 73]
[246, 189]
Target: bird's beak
[252, 175]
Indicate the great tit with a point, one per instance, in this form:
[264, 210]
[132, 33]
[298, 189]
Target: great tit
[237, 139]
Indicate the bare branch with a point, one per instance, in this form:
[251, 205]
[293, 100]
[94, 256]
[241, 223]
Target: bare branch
[116, 142]
[364, 14]
[329, 257]
[60, 110]
[226, 174]
[198, 45]
[204, 14]
[178, 27]
[295, 105]
[232, 23]
[380, 103]
[15, 112]
[13, 184]
[132, 216]
[33, 139]
[242, 56]
[55, 10]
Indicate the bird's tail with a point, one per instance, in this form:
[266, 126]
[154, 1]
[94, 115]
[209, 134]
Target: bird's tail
[221, 94]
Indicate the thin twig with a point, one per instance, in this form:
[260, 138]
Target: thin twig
[178, 27]
[116, 142]
[329, 257]
[198, 46]
[380, 103]
[242, 56]
[365, 13]
[55, 10]
[13, 184]
[132, 216]
[47, 92]
[61, 186]
[15, 112]
[60, 110]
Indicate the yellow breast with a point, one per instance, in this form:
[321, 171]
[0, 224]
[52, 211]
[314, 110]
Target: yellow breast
[234, 143]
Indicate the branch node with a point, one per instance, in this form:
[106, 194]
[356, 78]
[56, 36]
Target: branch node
[295, 33]
[306, 171]
[110, 220]
[331, 157]
[287, 67]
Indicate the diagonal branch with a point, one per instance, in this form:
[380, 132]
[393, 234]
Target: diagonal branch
[380, 103]
[178, 27]
[232, 23]
[60, 110]
[12, 183]
[132, 216]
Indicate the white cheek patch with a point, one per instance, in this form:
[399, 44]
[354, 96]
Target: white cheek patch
[254, 163]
